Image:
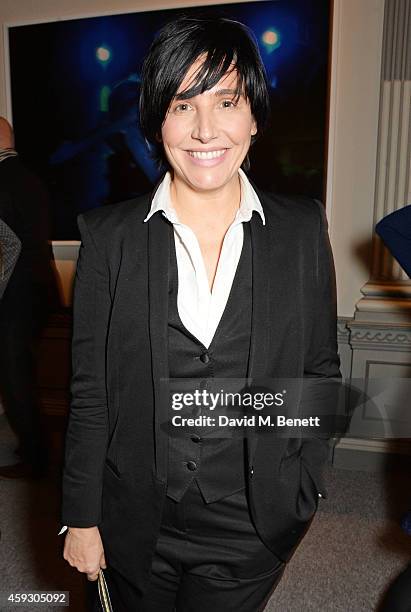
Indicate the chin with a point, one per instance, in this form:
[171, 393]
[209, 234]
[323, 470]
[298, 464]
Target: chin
[208, 181]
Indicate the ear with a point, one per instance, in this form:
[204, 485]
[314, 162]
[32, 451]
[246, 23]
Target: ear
[253, 127]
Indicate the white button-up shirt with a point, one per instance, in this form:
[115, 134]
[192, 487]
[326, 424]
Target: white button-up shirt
[199, 308]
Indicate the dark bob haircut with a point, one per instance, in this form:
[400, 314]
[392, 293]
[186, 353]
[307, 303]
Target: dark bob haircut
[177, 46]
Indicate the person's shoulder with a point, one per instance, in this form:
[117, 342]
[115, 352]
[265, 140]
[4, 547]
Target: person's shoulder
[108, 218]
[294, 209]
[10, 169]
[13, 167]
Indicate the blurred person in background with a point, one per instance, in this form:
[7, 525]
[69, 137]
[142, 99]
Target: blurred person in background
[24, 306]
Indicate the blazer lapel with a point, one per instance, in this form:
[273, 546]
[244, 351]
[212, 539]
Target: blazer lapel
[260, 236]
[260, 241]
[159, 231]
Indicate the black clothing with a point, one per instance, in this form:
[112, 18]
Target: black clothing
[24, 307]
[202, 561]
[116, 461]
[212, 455]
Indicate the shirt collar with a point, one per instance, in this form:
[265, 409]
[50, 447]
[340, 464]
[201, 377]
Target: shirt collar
[249, 201]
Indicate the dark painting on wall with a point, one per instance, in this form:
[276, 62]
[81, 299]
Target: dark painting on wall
[75, 87]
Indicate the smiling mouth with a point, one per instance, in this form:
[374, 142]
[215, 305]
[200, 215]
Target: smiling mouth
[207, 154]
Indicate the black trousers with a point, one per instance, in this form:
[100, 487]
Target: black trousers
[208, 558]
[19, 333]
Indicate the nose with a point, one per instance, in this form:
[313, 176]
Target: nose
[204, 128]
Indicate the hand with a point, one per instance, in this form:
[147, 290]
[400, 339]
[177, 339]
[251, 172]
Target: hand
[83, 549]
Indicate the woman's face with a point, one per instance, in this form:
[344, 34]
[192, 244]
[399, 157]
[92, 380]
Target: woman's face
[206, 138]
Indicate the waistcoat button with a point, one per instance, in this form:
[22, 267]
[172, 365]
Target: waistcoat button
[195, 438]
[205, 358]
[191, 465]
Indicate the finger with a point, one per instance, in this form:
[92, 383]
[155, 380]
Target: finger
[92, 577]
[103, 563]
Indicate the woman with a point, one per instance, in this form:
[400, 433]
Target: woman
[206, 279]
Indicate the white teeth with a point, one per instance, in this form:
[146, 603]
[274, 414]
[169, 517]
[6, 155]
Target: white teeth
[207, 154]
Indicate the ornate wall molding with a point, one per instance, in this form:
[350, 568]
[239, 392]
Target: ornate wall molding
[380, 337]
[399, 289]
[343, 331]
[373, 349]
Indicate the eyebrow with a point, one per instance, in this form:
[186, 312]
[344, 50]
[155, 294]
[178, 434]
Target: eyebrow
[218, 93]
[227, 92]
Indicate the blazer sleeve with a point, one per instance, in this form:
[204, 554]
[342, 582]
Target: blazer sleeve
[87, 430]
[395, 231]
[10, 247]
[322, 375]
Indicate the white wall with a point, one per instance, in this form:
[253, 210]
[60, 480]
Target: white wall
[357, 42]
[356, 74]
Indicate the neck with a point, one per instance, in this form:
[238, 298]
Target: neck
[217, 207]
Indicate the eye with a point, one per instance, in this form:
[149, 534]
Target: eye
[229, 103]
[182, 107]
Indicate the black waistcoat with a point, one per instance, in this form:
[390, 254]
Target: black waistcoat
[216, 461]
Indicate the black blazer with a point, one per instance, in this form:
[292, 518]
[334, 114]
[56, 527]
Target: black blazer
[116, 451]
